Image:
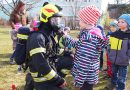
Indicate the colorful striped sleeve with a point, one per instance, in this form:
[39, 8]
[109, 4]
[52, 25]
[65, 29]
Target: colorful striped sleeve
[70, 42]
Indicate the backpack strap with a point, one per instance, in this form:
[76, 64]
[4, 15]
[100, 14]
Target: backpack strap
[47, 41]
[46, 37]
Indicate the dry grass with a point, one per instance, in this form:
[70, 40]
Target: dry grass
[8, 73]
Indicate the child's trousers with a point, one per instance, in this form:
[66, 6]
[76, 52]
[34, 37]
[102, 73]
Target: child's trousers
[87, 86]
[119, 76]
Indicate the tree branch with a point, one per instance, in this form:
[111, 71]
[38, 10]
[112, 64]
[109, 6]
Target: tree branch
[9, 4]
[5, 12]
[4, 9]
[15, 2]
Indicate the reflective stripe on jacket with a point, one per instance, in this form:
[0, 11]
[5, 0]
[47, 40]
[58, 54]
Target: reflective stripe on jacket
[46, 77]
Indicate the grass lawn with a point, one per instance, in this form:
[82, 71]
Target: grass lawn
[8, 73]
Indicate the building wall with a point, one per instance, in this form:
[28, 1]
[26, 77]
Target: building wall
[69, 6]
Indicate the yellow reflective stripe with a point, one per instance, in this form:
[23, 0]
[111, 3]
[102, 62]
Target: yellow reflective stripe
[61, 51]
[37, 50]
[65, 71]
[42, 79]
[115, 43]
[61, 42]
[56, 39]
[49, 76]
[22, 36]
[34, 74]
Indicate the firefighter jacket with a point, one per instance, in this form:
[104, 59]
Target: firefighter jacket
[119, 52]
[40, 68]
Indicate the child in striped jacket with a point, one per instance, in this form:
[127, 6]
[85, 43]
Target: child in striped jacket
[86, 60]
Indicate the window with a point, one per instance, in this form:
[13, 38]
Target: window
[96, 1]
[69, 0]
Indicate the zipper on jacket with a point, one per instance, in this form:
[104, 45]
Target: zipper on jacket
[116, 52]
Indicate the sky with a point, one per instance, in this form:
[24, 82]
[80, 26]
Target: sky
[104, 4]
[7, 0]
[111, 1]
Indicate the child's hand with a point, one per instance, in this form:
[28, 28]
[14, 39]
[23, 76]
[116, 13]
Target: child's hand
[63, 85]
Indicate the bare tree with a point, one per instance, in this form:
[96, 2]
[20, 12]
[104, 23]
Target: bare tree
[121, 1]
[75, 6]
[7, 6]
[117, 1]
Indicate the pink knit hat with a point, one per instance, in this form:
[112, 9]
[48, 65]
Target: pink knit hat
[89, 14]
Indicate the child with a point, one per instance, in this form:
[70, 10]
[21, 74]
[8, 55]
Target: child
[33, 23]
[119, 53]
[65, 62]
[14, 39]
[86, 60]
[67, 31]
[67, 48]
[112, 28]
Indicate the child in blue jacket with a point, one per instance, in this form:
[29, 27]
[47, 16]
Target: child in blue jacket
[119, 53]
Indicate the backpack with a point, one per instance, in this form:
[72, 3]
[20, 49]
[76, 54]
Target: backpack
[21, 55]
[20, 51]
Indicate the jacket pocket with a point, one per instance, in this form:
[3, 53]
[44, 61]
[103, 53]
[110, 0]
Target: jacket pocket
[112, 55]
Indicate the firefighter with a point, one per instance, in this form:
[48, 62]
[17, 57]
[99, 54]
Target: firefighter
[41, 47]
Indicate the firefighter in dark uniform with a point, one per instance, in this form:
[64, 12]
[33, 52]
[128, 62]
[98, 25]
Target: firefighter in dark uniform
[43, 72]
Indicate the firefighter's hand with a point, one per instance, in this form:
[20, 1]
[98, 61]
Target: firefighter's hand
[76, 88]
[63, 85]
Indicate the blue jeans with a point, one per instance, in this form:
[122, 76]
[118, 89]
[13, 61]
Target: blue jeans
[119, 76]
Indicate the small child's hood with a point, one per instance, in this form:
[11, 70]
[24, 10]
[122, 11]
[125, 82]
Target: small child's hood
[96, 31]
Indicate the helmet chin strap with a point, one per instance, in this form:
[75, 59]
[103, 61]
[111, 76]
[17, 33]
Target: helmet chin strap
[56, 28]
[55, 23]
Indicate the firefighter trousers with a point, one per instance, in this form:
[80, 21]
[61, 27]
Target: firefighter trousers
[29, 82]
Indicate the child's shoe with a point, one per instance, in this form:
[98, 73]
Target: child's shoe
[19, 71]
[12, 62]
